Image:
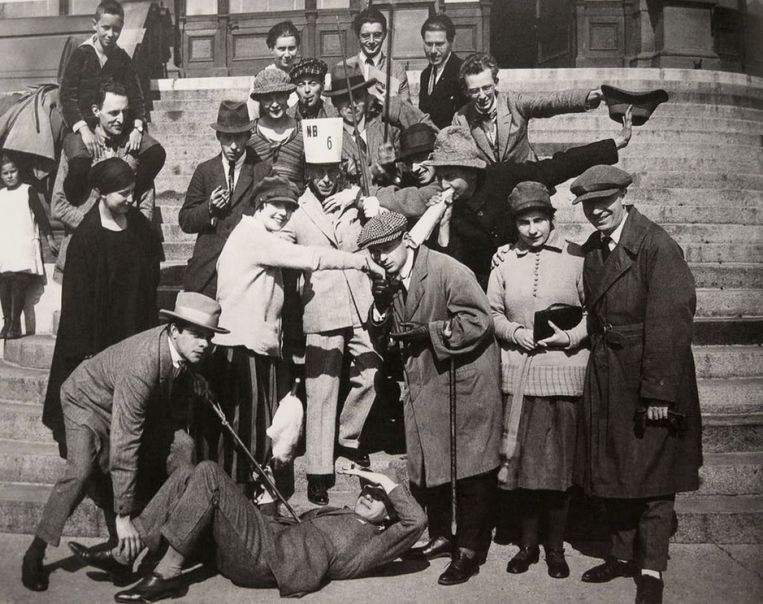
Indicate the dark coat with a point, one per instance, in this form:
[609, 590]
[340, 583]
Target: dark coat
[480, 225]
[447, 96]
[201, 274]
[443, 290]
[333, 543]
[83, 329]
[641, 304]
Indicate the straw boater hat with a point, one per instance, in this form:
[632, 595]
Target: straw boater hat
[599, 181]
[339, 80]
[455, 146]
[233, 118]
[195, 309]
[529, 195]
[269, 80]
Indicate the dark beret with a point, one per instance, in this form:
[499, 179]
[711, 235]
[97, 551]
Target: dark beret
[382, 229]
[599, 181]
[110, 175]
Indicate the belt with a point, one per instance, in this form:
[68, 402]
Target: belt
[617, 335]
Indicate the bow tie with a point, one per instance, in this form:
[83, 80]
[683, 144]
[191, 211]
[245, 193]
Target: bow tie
[488, 117]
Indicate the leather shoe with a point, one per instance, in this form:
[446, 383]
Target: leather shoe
[441, 547]
[356, 456]
[317, 492]
[649, 590]
[611, 569]
[152, 589]
[33, 575]
[102, 560]
[557, 565]
[461, 568]
[523, 559]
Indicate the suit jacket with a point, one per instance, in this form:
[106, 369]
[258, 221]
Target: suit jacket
[398, 72]
[447, 96]
[331, 299]
[641, 302]
[111, 393]
[483, 223]
[333, 543]
[442, 290]
[515, 110]
[194, 217]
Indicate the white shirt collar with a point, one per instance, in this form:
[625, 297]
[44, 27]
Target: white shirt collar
[614, 237]
[177, 360]
[407, 269]
[441, 67]
[237, 169]
[93, 41]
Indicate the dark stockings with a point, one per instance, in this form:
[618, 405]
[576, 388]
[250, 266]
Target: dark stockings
[549, 505]
[13, 288]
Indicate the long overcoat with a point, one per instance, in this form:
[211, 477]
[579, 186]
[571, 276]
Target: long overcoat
[641, 303]
[441, 290]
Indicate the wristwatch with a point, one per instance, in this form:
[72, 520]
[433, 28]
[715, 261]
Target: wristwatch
[139, 126]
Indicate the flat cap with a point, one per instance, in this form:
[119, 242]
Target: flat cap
[530, 195]
[275, 188]
[644, 103]
[382, 229]
[599, 181]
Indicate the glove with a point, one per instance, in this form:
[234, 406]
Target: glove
[383, 292]
[411, 332]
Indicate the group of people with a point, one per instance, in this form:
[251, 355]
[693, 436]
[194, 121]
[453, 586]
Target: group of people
[419, 234]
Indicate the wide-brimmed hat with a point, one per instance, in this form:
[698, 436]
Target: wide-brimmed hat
[530, 195]
[419, 138]
[310, 67]
[644, 103]
[270, 80]
[233, 118]
[382, 228]
[275, 188]
[599, 181]
[196, 309]
[340, 73]
[455, 146]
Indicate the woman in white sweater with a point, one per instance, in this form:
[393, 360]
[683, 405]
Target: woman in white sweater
[542, 381]
[250, 291]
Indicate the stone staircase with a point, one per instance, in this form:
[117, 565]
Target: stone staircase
[697, 171]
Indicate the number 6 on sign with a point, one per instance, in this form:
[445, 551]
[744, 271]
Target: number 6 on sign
[323, 140]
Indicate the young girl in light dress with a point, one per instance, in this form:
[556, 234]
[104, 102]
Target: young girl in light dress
[23, 219]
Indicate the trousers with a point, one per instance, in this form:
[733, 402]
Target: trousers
[475, 497]
[202, 505]
[324, 359]
[640, 530]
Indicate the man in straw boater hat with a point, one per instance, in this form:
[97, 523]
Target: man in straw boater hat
[335, 306]
[481, 220]
[111, 402]
[367, 111]
[639, 428]
[435, 310]
[218, 193]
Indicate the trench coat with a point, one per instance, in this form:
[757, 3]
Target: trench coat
[641, 304]
[441, 290]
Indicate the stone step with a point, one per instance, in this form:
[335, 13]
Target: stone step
[729, 302]
[732, 474]
[727, 432]
[21, 421]
[728, 361]
[719, 519]
[30, 351]
[22, 384]
[734, 396]
[728, 330]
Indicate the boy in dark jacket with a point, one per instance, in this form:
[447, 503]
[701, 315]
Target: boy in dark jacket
[96, 60]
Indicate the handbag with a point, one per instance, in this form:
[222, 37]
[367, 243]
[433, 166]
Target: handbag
[564, 316]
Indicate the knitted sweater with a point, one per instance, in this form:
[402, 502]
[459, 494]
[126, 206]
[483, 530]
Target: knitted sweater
[524, 283]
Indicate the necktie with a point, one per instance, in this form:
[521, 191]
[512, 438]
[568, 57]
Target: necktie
[432, 80]
[361, 144]
[231, 178]
[605, 251]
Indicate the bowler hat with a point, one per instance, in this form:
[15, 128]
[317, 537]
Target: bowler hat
[530, 195]
[419, 138]
[196, 309]
[382, 228]
[233, 118]
[308, 66]
[270, 80]
[275, 188]
[455, 146]
[341, 73]
[599, 181]
[644, 103]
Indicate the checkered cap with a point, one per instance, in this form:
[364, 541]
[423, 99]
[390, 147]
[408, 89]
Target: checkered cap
[308, 66]
[382, 228]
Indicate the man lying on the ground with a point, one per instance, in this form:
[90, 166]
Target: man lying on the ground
[255, 550]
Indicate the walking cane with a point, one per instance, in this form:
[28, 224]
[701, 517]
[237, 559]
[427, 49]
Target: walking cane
[256, 467]
[453, 473]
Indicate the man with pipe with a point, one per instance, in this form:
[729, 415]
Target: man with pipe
[434, 309]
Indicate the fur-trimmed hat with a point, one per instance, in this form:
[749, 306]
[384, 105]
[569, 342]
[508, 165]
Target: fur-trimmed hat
[269, 80]
[455, 146]
[382, 229]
